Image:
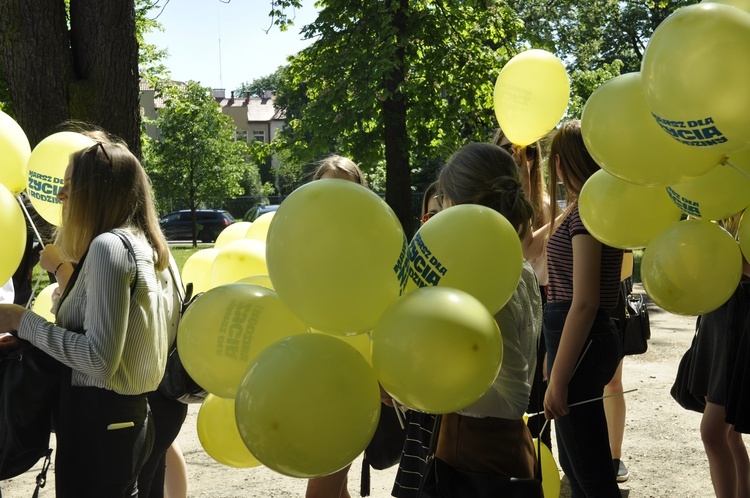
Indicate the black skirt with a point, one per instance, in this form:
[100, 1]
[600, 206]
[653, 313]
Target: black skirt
[738, 364]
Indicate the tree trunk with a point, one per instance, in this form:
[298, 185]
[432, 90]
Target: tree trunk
[87, 74]
[396, 136]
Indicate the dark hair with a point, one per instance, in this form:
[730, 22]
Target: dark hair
[432, 191]
[483, 173]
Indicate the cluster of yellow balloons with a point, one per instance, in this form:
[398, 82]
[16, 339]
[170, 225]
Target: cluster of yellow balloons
[672, 147]
[300, 320]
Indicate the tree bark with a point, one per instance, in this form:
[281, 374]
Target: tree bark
[396, 136]
[88, 73]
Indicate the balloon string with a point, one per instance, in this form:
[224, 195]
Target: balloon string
[729, 163]
[39, 238]
[398, 415]
[583, 402]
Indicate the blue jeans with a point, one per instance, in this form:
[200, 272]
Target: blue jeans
[582, 438]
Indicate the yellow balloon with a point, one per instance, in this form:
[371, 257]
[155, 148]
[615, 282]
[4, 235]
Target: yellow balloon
[336, 255]
[47, 164]
[308, 406]
[262, 280]
[238, 259]
[740, 4]
[710, 108]
[550, 473]
[258, 229]
[219, 436]
[43, 303]
[13, 228]
[197, 269]
[623, 214]
[744, 235]
[437, 350]
[361, 342]
[15, 151]
[623, 138]
[692, 267]
[468, 247]
[226, 328]
[531, 95]
[235, 231]
[718, 194]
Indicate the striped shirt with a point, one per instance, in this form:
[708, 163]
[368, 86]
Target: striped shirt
[413, 464]
[560, 264]
[112, 335]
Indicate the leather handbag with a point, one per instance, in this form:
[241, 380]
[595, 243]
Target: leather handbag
[637, 325]
[385, 448]
[681, 388]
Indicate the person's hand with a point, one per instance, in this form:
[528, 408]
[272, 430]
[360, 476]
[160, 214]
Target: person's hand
[50, 257]
[385, 398]
[544, 368]
[556, 401]
[9, 342]
[10, 317]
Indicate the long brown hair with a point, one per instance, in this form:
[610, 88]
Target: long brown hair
[483, 173]
[108, 189]
[568, 156]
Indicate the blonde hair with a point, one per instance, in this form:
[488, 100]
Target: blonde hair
[537, 195]
[339, 164]
[575, 164]
[108, 189]
[485, 174]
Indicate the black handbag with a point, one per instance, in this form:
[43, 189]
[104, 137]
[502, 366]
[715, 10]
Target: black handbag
[30, 383]
[637, 326]
[385, 448]
[681, 388]
[445, 481]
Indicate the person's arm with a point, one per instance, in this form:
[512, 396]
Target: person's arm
[98, 350]
[587, 256]
[51, 260]
[534, 242]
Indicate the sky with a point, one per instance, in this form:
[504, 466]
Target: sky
[223, 45]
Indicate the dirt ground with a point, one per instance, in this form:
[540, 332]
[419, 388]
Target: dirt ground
[662, 446]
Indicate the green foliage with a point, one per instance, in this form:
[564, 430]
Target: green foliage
[195, 161]
[333, 91]
[259, 86]
[150, 58]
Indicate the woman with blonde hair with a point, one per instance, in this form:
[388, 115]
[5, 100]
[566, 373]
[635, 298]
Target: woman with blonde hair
[111, 330]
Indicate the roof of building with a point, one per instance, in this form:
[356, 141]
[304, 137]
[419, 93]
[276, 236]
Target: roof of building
[258, 109]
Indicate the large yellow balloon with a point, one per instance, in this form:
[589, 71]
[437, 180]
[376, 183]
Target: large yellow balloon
[718, 194]
[226, 328]
[238, 259]
[262, 280]
[308, 405]
[623, 138]
[336, 255]
[235, 231]
[47, 164]
[740, 4]
[695, 72]
[361, 342]
[14, 151]
[623, 214]
[550, 473]
[437, 350]
[531, 95]
[219, 436]
[744, 235]
[43, 303]
[197, 269]
[13, 228]
[692, 267]
[468, 247]
[258, 229]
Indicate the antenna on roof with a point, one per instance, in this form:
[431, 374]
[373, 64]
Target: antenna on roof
[221, 82]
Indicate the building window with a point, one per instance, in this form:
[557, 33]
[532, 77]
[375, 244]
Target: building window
[240, 136]
[259, 135]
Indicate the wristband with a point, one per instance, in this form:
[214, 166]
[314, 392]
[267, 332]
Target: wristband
[57, 268]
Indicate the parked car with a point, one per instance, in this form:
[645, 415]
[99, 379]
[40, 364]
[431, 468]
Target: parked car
[209, 224]
[257, 211]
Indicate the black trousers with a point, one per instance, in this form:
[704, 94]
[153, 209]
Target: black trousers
[169, 415]
[103, 439]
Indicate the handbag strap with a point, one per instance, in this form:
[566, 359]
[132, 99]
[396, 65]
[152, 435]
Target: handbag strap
[432, 448]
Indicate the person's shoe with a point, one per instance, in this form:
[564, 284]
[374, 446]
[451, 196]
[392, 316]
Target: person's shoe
[621, 470]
